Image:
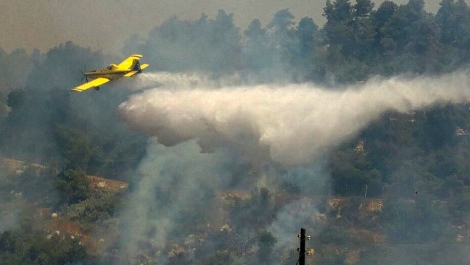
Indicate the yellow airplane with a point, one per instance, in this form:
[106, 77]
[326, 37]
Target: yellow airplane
[127, 68]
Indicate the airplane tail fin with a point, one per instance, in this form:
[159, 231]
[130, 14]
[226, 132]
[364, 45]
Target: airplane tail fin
[138, 67]
[133, 62]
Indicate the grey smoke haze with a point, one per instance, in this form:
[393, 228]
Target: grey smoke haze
[289, 219]
[103, 25]
[10, 211]
[292, 124]
[177, 185]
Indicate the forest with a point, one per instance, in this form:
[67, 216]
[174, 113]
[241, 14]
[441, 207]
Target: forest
[397, 192]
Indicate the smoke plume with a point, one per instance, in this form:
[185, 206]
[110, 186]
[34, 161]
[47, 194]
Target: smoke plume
[291, 124]
[177, 186]
[290, 218]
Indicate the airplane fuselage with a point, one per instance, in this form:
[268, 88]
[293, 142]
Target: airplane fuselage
[113, 74]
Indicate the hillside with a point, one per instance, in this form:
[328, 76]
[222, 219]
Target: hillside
[357, 221]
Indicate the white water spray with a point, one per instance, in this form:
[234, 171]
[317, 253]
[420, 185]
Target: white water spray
[290, 124]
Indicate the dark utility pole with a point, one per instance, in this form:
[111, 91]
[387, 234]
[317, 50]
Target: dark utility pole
[302, 251]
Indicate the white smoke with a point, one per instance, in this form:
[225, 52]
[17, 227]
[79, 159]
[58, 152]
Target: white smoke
[289, 220]
[175, 181]
[290, 124]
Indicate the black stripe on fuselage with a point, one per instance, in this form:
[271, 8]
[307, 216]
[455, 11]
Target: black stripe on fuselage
[110, 75]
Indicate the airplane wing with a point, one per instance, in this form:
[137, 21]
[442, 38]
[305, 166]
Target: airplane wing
[97, 82]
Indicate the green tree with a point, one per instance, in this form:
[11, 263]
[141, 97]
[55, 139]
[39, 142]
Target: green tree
[404, 25]
[352, 174]
[39, 248]
[212, 46]
[72, 185]
[255, 48]
[416, 221]
[453, 19]
[362, 9]
[282, 42]
[266, 242]
[339, 16]
[306, 33]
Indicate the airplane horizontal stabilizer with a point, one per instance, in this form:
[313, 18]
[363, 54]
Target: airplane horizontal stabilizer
[131, 73]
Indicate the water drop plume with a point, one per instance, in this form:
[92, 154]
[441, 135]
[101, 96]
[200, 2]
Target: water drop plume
[289, 124]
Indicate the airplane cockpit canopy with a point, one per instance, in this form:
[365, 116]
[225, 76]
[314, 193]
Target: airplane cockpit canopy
[111, 67]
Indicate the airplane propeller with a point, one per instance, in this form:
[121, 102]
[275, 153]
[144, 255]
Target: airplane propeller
[83, 75]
